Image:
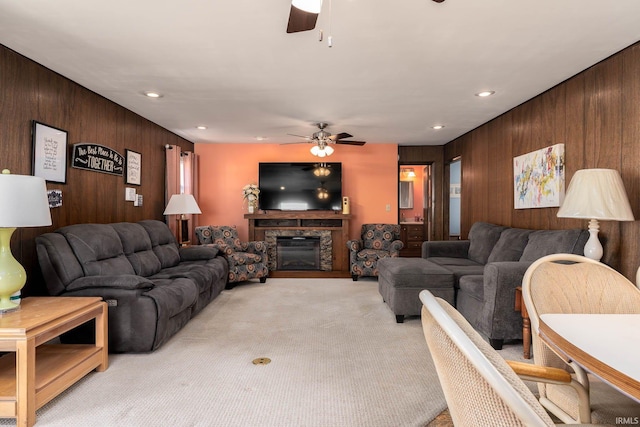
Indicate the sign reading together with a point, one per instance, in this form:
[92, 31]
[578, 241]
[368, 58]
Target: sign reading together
[98, 158]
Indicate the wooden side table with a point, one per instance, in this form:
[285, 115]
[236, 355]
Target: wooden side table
[526, 324]
[25, 333]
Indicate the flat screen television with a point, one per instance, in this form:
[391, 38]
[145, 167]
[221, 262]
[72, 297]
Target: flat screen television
[300, 186]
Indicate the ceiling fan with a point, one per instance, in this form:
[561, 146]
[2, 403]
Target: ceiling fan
[304, 14]
[323, 140]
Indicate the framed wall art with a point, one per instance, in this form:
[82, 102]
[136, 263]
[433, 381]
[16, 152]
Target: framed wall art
[133, 162]
[49, 152]
[538, 178]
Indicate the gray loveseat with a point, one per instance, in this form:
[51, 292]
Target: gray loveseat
[153, 287]
[483, 272]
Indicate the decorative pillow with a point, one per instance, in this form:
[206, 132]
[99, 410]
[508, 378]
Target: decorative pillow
[510, 245]
[483, 237]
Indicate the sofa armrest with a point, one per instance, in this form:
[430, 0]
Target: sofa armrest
[121, 281]
[500, 281]
[222, 248]
[354, 245]
[446, 248]
[395, 248]
[198, 252]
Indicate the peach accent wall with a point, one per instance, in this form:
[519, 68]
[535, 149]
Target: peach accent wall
[369, 179]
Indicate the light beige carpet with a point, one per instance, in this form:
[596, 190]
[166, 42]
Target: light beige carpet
[338, 359]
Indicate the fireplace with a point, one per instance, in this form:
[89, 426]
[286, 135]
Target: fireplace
[297, 241]
[298, 253]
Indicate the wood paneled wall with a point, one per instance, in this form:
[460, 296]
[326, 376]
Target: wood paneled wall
[596, 114]
[32, 92]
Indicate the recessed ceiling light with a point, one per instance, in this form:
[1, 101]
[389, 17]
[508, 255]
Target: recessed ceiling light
[153, 94]
[437, 127]
[201, 127]
[261, 138]
[485, 93]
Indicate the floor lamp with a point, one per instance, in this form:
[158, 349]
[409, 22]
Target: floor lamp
[23, 203]
[182, 205]
[596, 194]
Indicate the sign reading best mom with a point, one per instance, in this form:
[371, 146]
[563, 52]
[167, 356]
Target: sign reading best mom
[98, 158]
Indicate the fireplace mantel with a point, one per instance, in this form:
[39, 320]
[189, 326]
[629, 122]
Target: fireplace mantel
[335, 222]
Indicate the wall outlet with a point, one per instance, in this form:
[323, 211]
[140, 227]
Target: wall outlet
[388, 207]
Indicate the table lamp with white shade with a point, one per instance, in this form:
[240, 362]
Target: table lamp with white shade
[181, 205]
[23, 203]
[596, 194]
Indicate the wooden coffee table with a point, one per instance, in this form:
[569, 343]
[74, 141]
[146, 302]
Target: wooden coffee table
[35, 371]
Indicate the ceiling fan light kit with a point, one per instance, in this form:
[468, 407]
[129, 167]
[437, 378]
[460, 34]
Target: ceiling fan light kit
[323, 140]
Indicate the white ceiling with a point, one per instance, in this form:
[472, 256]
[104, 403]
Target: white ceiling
[396, 68]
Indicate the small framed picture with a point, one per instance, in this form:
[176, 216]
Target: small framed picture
[49, 152]
[133, 167]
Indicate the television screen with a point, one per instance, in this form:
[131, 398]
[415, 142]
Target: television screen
[300, 186]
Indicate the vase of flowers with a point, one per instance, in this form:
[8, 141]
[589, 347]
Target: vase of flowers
[250, 194]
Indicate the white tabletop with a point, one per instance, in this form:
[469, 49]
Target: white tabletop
[612, 340]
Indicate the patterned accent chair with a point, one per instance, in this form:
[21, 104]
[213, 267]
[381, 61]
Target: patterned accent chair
[378, 241]
[247, 260]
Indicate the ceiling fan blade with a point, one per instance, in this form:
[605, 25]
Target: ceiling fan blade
[299, 20]
[308, 138]
[341, 135]
[350, 142]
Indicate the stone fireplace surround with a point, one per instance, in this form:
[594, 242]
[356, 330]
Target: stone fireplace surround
[331, 226]
[326, 243]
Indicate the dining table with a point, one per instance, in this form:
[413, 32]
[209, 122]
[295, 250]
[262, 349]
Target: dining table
[606, 345]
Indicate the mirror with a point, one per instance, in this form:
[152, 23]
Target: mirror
[406, 194]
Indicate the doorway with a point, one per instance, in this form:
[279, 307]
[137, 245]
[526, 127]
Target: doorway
[455, 195]
[415, 200]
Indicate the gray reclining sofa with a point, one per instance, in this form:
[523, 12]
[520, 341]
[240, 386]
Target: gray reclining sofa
[153, 287]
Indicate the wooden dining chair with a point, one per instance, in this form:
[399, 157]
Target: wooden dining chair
[567, 283]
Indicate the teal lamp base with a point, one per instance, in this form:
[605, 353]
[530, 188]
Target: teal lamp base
[12, 274]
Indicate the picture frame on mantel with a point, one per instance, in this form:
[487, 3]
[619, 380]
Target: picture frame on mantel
[133, 170]
[49, 152]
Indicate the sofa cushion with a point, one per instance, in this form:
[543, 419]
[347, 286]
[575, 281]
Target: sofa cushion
[510, 245]
[451, 261]
[371, 255]
[414, 273]
[163, 242]
[98, 249]
[137, 248]
[194, 270]
[226, 236]
[546, 242]
[483, 237]
[472, 285]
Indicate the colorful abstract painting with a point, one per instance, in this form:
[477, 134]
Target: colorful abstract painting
[538, 178]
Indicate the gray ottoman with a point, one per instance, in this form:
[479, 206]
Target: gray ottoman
[400, 280]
